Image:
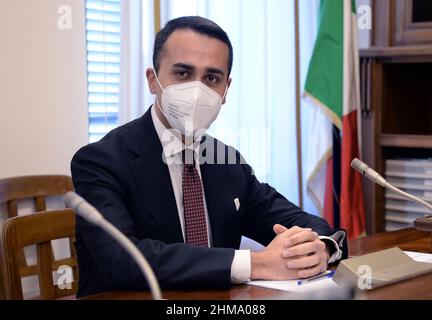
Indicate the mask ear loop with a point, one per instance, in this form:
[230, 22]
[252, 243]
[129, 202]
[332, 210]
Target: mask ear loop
[157, 80]
[157, 100]
[225, 94]
[174, 131]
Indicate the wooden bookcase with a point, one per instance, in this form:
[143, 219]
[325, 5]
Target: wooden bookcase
[396, 94]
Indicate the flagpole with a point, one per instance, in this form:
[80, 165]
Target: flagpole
[157, 15]
[298, 97]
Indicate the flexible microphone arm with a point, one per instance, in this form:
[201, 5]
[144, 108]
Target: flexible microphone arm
[89, 213]
[377, 178]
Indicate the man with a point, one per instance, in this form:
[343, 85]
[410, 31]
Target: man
[186, 208]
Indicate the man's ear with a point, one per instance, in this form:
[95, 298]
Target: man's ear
[228, 85]
[151, 79]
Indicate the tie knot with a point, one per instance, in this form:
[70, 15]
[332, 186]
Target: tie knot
[188, 157]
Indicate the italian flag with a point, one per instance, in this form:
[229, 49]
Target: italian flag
[333, 86]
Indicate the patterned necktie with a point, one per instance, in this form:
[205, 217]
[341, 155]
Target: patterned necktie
[193, 204]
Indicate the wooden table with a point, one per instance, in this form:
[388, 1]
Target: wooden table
[407, 239]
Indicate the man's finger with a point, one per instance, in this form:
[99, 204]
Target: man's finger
[278, 229]
[294, 230]
[305, 262]
[306, 273]
[306, 235]
[302, 249]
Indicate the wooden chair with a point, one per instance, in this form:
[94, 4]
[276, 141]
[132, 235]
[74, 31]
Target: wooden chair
[37, 188]
[32, 187]
[38, 229]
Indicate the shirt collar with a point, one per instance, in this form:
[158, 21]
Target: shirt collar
[171, 144]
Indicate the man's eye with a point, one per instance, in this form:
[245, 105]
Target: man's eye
[182, 74]
[212, 79]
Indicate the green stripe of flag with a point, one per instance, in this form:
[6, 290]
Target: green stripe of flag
[324, 80]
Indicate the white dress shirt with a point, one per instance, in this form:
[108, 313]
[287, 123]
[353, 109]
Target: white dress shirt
[172, 155]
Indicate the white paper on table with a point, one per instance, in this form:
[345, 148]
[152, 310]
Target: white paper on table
[292, 285]
[420, 256]
[324, 283]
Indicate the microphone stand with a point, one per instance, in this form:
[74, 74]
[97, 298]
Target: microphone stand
[421, 223]
[89, 213]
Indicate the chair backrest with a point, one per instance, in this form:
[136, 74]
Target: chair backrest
[32, 187]
[39, 229]
[36, 188]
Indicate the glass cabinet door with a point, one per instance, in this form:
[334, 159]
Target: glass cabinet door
[413, 22]
[421, 11]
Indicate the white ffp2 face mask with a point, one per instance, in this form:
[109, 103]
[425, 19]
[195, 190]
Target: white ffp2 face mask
[190, 107]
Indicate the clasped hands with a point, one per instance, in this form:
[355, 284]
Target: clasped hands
[294, 253]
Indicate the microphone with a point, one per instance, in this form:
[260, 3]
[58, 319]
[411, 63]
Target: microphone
[390, 265]
[377, 178]
[89, 213]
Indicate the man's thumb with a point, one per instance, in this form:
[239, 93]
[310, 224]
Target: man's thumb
[278, 229]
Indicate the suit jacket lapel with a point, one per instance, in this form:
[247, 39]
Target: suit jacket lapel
[153, 180]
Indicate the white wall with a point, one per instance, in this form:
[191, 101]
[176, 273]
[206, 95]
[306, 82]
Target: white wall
[43, 97]
[43, 109]
[364, 35]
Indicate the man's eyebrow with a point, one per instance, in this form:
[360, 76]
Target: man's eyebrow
[192, 68]
[184, 66]
[215, 70]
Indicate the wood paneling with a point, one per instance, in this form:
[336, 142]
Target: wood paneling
[396, 117]
[406, 31]
[393, 24]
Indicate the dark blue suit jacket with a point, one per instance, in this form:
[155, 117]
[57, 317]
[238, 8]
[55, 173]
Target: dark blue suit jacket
[124, 177]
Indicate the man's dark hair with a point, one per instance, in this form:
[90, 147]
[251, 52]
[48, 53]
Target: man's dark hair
[198, 24]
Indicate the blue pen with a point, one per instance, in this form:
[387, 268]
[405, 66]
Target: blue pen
[325, 275]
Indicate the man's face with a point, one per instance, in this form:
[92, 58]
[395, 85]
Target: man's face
[190, 56]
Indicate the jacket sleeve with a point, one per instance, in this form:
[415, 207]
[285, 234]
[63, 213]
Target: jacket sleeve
[98, 179]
